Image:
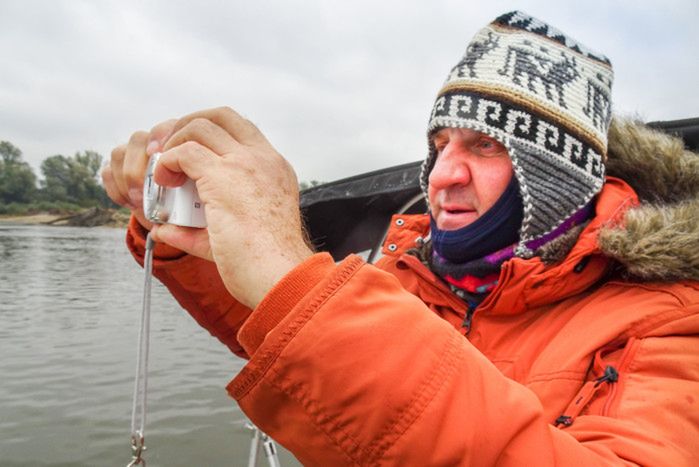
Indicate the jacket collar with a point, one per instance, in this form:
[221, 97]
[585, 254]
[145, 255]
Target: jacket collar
[528, 283]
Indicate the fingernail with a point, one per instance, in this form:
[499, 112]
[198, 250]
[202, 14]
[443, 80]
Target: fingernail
[153, 147]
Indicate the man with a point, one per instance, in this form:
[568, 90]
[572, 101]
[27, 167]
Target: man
[551, 318]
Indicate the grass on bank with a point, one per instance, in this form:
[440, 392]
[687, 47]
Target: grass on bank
[55, 208]
[59, 208]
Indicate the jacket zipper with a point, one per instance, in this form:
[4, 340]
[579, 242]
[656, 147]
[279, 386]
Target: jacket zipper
[629, 351]
[610, 377]
[586, 394]
[468, 319]
[430, 277]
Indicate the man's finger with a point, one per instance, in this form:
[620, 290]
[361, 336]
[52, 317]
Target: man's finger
[159, 134]
[204, 132]
[134, 167]
[116, 164]
[240, 128]
[110, 187]
[189, 159]
[188, 239]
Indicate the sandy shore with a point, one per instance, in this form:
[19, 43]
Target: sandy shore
[33, 219]
[118, 219]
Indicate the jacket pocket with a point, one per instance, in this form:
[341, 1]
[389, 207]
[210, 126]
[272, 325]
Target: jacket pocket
[601, 390]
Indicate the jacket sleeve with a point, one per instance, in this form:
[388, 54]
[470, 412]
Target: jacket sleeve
[196, 285]
[347, 368]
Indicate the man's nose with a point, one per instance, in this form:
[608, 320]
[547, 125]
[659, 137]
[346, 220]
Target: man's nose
[451, 168]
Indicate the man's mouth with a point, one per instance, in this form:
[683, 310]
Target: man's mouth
[455, 217]
[458, 211]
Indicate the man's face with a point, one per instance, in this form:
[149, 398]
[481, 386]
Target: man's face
[472, 170]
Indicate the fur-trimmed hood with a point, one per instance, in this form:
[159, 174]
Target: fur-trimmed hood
[659, 239]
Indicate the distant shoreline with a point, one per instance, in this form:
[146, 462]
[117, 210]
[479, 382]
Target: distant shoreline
[118, 220]
[29, 219]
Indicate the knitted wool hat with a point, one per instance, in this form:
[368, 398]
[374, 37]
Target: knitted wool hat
[547, 99]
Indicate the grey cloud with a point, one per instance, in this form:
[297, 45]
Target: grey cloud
[338, 87]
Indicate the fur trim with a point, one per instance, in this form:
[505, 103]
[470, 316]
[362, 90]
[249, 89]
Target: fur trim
[658, 240]
[655, 164]
[557, 249]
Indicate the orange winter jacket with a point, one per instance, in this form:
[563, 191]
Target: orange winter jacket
[581, 362]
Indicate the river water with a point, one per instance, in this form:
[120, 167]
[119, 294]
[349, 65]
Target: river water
[70, 303]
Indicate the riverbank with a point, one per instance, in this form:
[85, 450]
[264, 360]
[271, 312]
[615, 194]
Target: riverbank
[108, 218]
[30, 219]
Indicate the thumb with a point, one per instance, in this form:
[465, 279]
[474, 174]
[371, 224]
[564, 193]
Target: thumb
[191, 240]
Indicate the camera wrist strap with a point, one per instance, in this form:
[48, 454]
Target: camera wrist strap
[138, 411]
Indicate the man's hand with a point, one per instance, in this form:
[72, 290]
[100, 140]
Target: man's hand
[251, 198]
[123, 176]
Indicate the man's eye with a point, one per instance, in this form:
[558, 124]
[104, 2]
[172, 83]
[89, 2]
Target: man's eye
[489, 146]
[439, 145]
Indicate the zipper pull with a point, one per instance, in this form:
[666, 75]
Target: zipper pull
[611, 375]
[564, 420]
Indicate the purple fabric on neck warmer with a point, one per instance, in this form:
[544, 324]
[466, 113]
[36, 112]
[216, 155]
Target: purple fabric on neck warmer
[500, 256]
[576, 219]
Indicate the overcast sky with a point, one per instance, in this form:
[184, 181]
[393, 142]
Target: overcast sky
[340, 88]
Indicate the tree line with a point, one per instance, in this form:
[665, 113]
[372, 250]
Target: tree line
[68, 184]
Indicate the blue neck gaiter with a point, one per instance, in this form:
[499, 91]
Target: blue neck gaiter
[494, 230]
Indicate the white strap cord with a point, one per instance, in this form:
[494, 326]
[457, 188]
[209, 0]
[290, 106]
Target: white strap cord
[138, 411]
[268, 446]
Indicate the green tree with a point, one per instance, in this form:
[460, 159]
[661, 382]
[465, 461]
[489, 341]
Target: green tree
[57, 178]
[17, 179]
[74, 179]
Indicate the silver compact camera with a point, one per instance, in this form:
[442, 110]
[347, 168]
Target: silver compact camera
[180, 206]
